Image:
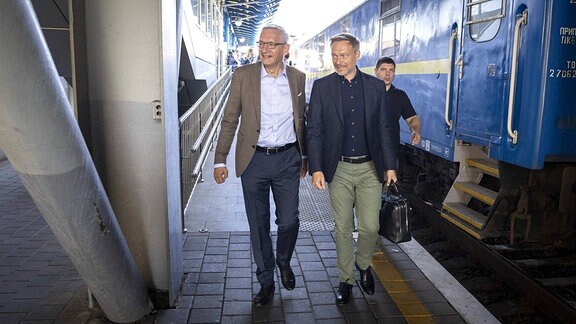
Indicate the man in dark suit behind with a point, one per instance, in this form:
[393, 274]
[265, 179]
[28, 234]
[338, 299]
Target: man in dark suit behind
[267, 99]
[350, 146]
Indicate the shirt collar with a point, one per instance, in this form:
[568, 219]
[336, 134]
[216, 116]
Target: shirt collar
[264, 74]
[355, 79]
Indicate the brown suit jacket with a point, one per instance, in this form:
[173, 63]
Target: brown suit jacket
[243, 106]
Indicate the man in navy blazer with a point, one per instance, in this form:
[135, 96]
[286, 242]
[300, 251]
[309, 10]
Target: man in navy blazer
[350, 146]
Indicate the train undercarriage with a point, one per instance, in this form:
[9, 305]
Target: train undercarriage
[493, 200]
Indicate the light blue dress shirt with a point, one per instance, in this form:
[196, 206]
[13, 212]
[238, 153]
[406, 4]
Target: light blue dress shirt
[276, 113]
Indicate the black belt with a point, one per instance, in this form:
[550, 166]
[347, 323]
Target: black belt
[274, 150]
[356, 159]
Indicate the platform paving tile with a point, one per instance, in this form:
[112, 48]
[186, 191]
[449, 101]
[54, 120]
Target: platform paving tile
[360, 317]
[184, 302]
[223, 258]
[238, 283]
[296, 306]
[238, 295]
[357, 305]
[267, 315]
[212, 277]
[327, 312]
[172, 316]
[202, 315]
[207, 302]
[236, 319]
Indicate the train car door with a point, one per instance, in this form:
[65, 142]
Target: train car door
[482, 71]
[508, 98]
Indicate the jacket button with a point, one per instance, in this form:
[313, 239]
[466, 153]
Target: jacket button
[253, 146]
[257, 131]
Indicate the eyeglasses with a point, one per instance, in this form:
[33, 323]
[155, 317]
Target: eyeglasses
[270, 45]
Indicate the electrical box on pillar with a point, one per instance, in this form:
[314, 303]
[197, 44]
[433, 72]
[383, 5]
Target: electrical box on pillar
[156, 110]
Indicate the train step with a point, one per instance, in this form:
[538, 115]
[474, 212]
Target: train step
[455, 208]
[468, 215]
[477, 191]
[485, 165]
[462, 223]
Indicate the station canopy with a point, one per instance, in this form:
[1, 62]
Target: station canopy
[248, 16]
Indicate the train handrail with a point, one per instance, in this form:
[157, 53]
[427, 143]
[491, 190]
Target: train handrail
[523, 20]
[449, 78]
[202, 134]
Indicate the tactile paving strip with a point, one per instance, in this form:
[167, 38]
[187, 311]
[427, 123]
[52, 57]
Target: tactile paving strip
[315, 209]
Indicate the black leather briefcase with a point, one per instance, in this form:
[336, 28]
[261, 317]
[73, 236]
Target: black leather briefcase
[395, 216]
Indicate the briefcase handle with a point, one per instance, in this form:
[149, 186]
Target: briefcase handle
[391, 186]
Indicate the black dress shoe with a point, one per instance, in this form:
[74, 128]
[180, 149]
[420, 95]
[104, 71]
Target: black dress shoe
[288, 279]
[366, 280]
[264, 295]
[344, 293]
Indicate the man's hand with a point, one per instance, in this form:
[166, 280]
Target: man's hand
[303, 168]
[318, 180]
[220, 174]
[415, 138]
[391, 177]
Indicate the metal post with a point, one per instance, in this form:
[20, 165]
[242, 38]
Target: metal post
[44, 144]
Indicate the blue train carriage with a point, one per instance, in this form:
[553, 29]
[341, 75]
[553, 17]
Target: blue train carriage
[493, 83]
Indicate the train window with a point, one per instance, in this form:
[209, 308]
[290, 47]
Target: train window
[209, 18]
[203, 13]
[345, 25]
[390, 34]
[306, 55]
[484, 17]
[389, 6]
[321, 50]
[195, 5]
[216, 24]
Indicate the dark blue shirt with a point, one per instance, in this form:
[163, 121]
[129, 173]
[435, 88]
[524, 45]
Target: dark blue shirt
[399, 105]
[352, 95]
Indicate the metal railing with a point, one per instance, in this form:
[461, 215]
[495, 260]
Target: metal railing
[198, 127]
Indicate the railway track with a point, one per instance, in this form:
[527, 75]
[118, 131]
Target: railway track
[523, 283]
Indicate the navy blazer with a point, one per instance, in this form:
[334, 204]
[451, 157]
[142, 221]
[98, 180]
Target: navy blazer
[325, 126]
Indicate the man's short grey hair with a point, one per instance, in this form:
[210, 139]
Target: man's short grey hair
[285, 37]
[348, 38]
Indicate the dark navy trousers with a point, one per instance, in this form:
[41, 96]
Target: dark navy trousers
[280, 173]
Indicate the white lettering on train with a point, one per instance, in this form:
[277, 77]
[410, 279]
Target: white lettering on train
[568, 31]
[561, 73]
[567, 40]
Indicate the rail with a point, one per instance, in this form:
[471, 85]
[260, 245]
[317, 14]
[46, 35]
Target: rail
[201, 119]
[523, 20]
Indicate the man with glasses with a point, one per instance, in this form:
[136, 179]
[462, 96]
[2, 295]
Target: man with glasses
[267, 100]
[350, 146]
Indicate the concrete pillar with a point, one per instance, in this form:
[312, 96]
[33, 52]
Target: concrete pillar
[43, 142]
[133, 82]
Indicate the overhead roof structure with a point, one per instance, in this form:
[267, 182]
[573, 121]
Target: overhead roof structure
[248, 16]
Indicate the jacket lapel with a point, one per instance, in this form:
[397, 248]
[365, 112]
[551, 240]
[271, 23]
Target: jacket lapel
[338, 99]
[368, 98]
[293, 83]
[256, 84]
